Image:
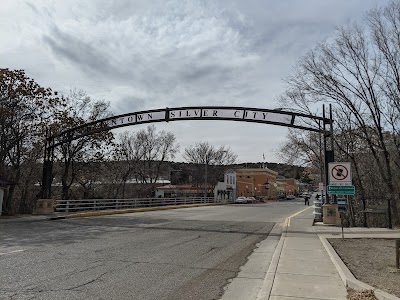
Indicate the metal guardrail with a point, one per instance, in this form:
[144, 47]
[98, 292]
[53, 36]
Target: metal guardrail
[67, 206]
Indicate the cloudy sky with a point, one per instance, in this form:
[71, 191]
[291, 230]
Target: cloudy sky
[141, 54]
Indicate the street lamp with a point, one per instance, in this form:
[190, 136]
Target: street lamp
[205, 179]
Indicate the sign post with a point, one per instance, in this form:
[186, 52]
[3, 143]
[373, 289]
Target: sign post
[397, 246]
[342, 208]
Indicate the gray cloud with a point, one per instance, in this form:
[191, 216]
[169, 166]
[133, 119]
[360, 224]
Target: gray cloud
[141, 54]
[77, 51]
[191, 46]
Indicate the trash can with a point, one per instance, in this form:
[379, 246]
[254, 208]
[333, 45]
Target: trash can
[317, 210]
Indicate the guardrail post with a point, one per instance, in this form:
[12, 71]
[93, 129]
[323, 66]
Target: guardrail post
[397, 247]
[364, 213]
[390, 226]
[67, 207]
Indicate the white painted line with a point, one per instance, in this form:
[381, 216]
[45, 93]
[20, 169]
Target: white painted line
[11, 252]
[287, 221]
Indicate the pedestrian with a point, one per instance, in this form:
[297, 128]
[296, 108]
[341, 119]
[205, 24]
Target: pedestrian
[306, 200]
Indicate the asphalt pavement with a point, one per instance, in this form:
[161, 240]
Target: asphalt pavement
[252, 251]
[177, 254]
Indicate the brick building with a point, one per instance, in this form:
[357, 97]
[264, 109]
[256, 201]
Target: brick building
[291, 185]
[256, 182]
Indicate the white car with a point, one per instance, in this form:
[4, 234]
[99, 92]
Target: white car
[241, 200]
[290, 197]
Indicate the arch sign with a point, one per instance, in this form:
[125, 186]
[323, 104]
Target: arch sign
[210, 113]
[339, 173]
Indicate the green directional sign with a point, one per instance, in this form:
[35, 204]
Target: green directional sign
[341, 190]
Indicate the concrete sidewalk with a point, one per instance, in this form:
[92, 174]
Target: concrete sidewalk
[305, 266]
[291, 263]
[301, 267]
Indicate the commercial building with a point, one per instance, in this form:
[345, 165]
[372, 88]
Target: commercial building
[226, 190]
[260, 183]
[291, 185]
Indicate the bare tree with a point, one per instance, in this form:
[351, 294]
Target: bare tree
[81, 109]
[145, 153]
[203, 154]
[129, 152]
[26, 109]
[303, 148]
[384, 25]
[358, 72]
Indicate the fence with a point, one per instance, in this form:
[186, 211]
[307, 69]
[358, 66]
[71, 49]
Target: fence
[67, 206]
[376, 212]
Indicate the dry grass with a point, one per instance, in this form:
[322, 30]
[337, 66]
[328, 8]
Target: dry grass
[371, 261]
[364, 295]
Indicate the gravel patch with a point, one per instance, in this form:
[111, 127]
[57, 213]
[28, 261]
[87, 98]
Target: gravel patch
[372, 261]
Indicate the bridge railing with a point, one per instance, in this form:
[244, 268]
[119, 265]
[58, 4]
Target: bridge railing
[67, 206]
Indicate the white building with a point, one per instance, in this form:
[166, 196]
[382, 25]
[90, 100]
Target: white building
[226, 190]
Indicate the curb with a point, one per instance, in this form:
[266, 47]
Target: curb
[130, 210]
[268, 283]
[30, 218]
[348, 278]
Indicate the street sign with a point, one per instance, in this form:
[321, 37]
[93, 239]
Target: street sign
[339, 173]
[341, 190]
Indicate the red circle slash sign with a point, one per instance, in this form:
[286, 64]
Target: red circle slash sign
[340, 172]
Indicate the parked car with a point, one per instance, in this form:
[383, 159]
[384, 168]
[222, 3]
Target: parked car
[262, 198]
[281, 197]
[251, 200]
[241, 200]
[290, 197]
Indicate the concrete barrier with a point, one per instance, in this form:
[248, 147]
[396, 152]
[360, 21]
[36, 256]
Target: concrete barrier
[44, 207]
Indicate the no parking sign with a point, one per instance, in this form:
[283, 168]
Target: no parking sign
[339, 173]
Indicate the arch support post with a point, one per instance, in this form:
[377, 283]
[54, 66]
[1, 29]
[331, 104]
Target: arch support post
[44, 204]
[47, 174]
[329, 155]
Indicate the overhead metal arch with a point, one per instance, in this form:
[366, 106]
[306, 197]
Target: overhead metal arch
[277, 117]
[198, 113]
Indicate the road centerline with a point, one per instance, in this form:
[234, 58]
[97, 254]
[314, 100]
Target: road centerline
[11, 252]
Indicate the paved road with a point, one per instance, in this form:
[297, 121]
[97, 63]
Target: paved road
[175, 254]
